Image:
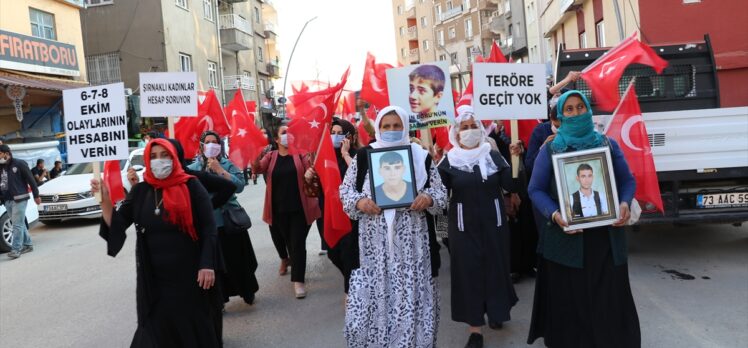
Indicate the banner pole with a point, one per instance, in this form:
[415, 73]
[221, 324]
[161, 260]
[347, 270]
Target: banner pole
[514, 126]
[97, 176]
[170, 122]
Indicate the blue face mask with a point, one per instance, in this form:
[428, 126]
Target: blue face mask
[337, 140]
[392, 136]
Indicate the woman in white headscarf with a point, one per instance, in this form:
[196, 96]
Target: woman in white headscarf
[393, 298]
[478, 235]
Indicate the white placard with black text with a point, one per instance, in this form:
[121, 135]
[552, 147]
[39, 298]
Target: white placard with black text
[95, 123]
[509, 91]
[168, 94]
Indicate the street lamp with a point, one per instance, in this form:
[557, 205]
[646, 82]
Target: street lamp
[282, 100]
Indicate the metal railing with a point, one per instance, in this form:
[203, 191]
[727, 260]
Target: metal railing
[239, 82]
[413, 32]
[413, 53]
[270, 26]
[454, 11]
[234, 21]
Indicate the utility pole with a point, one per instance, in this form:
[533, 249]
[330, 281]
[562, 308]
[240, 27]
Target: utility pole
[282, 100]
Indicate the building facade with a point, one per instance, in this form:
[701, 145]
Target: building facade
[224, 42]
[508, 24]
[41, 54]
[414, 33]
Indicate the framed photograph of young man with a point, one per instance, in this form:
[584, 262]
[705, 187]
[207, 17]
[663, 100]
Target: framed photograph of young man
[586, 187]
[391, 176]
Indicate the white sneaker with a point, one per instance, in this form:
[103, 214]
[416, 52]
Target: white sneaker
[299, 290]
[322, 252]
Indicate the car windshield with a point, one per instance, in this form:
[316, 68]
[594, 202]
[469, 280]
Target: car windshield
[86, 168]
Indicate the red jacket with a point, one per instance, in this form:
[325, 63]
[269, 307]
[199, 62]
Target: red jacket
[266, 166]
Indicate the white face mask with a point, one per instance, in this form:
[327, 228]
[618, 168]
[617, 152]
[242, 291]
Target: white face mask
[161, 168]
[211, 150]
[284, 139]
[553, 128]
[3, 160]
[470, 138]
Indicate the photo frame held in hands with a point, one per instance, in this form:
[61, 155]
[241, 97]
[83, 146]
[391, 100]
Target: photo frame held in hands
[586, 187]
[392, 177]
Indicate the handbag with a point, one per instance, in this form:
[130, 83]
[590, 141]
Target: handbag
[235, 218]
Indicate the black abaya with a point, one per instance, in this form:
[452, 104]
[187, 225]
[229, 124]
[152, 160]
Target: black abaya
[588, 307]
[173, 311]
[479, 244]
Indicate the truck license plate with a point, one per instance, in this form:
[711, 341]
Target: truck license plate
[723, 200]
[56, 207]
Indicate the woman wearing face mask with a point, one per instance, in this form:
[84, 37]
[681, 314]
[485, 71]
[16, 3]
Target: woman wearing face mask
[288, 211]
[582, 293]
[238, 253]
[393, 299]
[177, 305]
[478, 230]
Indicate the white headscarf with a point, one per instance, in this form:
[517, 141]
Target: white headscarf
[418, 164]
[466, 159]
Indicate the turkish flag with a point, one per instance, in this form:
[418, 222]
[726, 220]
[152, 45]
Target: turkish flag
[495, 56]
[113, 181]
[628, 129]
[313, 117]
[246, 141]
[337, 224]
[347, 105]
[209, 117]
[363, 135]
[604, 73]
[374, 85]
[211, 114]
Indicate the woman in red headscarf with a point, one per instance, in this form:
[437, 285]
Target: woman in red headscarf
[177, 303]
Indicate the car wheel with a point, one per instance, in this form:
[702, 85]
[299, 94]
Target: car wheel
[51, 222]
[7, 231]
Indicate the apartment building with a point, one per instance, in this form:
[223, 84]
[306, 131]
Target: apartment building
[223, 41]
[587, 23]
[41, 54]
[463, 31]
[414, 31]
[508, 24]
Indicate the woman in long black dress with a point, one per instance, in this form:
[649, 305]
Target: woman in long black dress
[238, 252]
[177, 304]
[478, 232]
[582, 293]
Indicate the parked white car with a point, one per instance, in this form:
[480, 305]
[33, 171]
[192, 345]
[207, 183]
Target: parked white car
[7, 229]
[69, 195]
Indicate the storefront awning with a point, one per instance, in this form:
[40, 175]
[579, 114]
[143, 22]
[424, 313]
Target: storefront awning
[38, 82]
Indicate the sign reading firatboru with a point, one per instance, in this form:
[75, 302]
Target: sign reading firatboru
[95, 123]
[28, 53]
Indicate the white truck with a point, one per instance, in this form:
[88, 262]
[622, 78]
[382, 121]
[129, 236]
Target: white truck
[700, 149]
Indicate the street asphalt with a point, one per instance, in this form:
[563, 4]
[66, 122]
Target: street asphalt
[690, 285]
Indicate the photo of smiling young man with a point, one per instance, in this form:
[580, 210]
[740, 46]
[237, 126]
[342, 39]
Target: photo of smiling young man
[394, 188]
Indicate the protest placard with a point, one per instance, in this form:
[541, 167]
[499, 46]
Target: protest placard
[165, 94]
[95, 123]
[425, 92]
[509, 91]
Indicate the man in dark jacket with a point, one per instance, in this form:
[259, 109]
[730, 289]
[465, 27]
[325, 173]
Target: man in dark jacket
[15, 181]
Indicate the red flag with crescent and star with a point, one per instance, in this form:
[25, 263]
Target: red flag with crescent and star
[209, 117]
[603, 74]
[628, 130]
[374, 85]
[246, 141]
[312, 117]
[336, 222]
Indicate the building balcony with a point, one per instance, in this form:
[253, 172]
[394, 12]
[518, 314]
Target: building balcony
[487, 4]
[234, 82]
[485, 32]
[413, 55]
[274, 69]
[413, 33]
[451, 13]
[410, 9]
[233, 1]
[236, 33]
[270, 32]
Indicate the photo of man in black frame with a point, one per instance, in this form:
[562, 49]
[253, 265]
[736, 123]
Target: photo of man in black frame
[391, 177]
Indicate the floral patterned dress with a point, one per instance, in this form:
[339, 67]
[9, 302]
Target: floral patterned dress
[393, 300]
